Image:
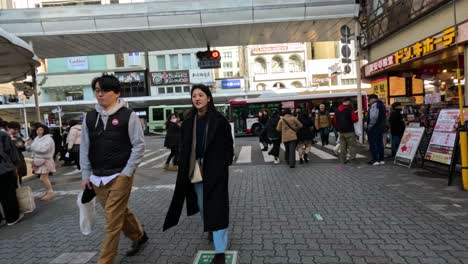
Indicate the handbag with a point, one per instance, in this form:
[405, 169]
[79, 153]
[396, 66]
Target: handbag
[357, 129]
[197, 173]
[25, 199]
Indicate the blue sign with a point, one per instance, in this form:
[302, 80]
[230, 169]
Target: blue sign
[231, 84]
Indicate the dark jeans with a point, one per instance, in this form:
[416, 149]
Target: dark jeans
[174, 154]
[290, 153]
[324, 135]
[276, 148]
[376, 145]
[8, 199]
[395, 143]
[75, 157]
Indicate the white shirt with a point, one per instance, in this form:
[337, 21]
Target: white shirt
[104, 180]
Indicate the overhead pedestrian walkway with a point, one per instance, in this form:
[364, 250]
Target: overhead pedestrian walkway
[177, 24]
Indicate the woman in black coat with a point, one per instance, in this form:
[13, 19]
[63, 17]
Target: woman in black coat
[305, 137]
[172, 141]
[206, 144]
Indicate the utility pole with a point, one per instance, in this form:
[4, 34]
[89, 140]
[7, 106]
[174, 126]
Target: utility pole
[358, 82]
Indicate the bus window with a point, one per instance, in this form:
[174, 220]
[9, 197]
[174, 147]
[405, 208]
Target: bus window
[158, 114]
[168, 113]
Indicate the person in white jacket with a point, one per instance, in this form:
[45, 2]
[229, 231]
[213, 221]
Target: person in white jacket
[42, 148]
[73, 142]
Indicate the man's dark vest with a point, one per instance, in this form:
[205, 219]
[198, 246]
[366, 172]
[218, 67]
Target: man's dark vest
[109, 149]
[343, 121]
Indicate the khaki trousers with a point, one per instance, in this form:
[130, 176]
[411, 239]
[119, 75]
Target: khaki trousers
[114, 200]
[347, 141]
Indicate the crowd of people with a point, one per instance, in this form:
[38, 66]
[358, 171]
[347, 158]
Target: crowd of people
[45, 148]
[298, 129]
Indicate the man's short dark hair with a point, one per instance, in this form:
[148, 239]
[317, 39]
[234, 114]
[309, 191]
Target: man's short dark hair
[346, 99]
[14, 125]
[107, 83]
[373, 96]
[287, 111]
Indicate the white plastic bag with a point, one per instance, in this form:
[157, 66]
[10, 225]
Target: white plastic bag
[358, 129]
[87, 214]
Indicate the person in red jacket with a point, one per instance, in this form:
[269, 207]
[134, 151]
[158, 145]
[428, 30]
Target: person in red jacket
[344, 120]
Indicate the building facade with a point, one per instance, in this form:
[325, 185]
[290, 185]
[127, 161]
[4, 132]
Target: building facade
[277, 66]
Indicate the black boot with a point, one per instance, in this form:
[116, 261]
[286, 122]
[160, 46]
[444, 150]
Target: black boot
[306, 158]
[219, 259]
[301, 161]
[136, 245]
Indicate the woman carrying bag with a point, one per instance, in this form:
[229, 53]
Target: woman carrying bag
[43, 148]
[202, 179]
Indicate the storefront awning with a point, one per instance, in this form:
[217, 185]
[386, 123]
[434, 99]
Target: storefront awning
[16, 58]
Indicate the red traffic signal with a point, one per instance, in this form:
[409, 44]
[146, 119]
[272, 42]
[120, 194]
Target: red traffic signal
[215, 54]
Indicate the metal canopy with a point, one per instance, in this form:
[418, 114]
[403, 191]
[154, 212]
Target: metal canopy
[16, 58]
[177, 24]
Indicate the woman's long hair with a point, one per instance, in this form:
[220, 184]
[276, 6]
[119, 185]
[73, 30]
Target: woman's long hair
[206, 90]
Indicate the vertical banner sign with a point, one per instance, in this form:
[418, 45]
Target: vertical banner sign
[380, 88]
[443, 138]
[409, 145]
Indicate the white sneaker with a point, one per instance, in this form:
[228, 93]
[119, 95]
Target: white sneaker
[376, 163]
[277, 161]
[21, 215]
[382, 162]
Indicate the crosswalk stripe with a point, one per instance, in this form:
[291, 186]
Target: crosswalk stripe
[149, 153]
[76, 171]
[266, 157]
[245, 155]
[153, 159]
[322, 154]
[160, 165]
[332, 148]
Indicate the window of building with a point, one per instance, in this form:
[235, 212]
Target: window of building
[186, 89]
[119, 60]
[277, 65]
[227, 54]
[161, 90]
[228, 74]
[227, 64]
[295, 64]
[170, 89]
[260, 66]
[178, 89]
[174, 59]
[161, 60]
[114, 1]
[297, 84]
[186, 61]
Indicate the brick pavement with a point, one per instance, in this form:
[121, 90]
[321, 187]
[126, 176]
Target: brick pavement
[370, 215]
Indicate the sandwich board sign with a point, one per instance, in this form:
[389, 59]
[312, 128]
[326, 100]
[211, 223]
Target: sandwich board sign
[205, 257]
[409, 145]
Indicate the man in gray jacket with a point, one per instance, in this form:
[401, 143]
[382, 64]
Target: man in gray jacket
[112, 146]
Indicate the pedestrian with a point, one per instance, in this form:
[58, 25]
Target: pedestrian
[43, 149]
[64, 154]
[172, 141]
[274, 136]
[375, 129]
[15, 136]
[323, 124]
[57, 137]
[73, 142]
[202, 179]
[112, 146]
[397, 126]
[305, 137]
[289, 126]
[344, 120]
[8, 178]
[262, 117]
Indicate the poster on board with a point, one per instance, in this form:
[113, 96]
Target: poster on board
[409, 145]
[443, 139]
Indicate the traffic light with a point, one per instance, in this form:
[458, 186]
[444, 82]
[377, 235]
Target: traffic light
[345, 48]
[209, 59]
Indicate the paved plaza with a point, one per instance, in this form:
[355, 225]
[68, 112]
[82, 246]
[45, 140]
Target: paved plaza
[321, 212]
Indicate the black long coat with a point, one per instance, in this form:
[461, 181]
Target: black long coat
[218, 156]
[172, 139]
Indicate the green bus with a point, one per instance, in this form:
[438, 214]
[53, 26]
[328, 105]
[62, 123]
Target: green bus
[158, 115]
